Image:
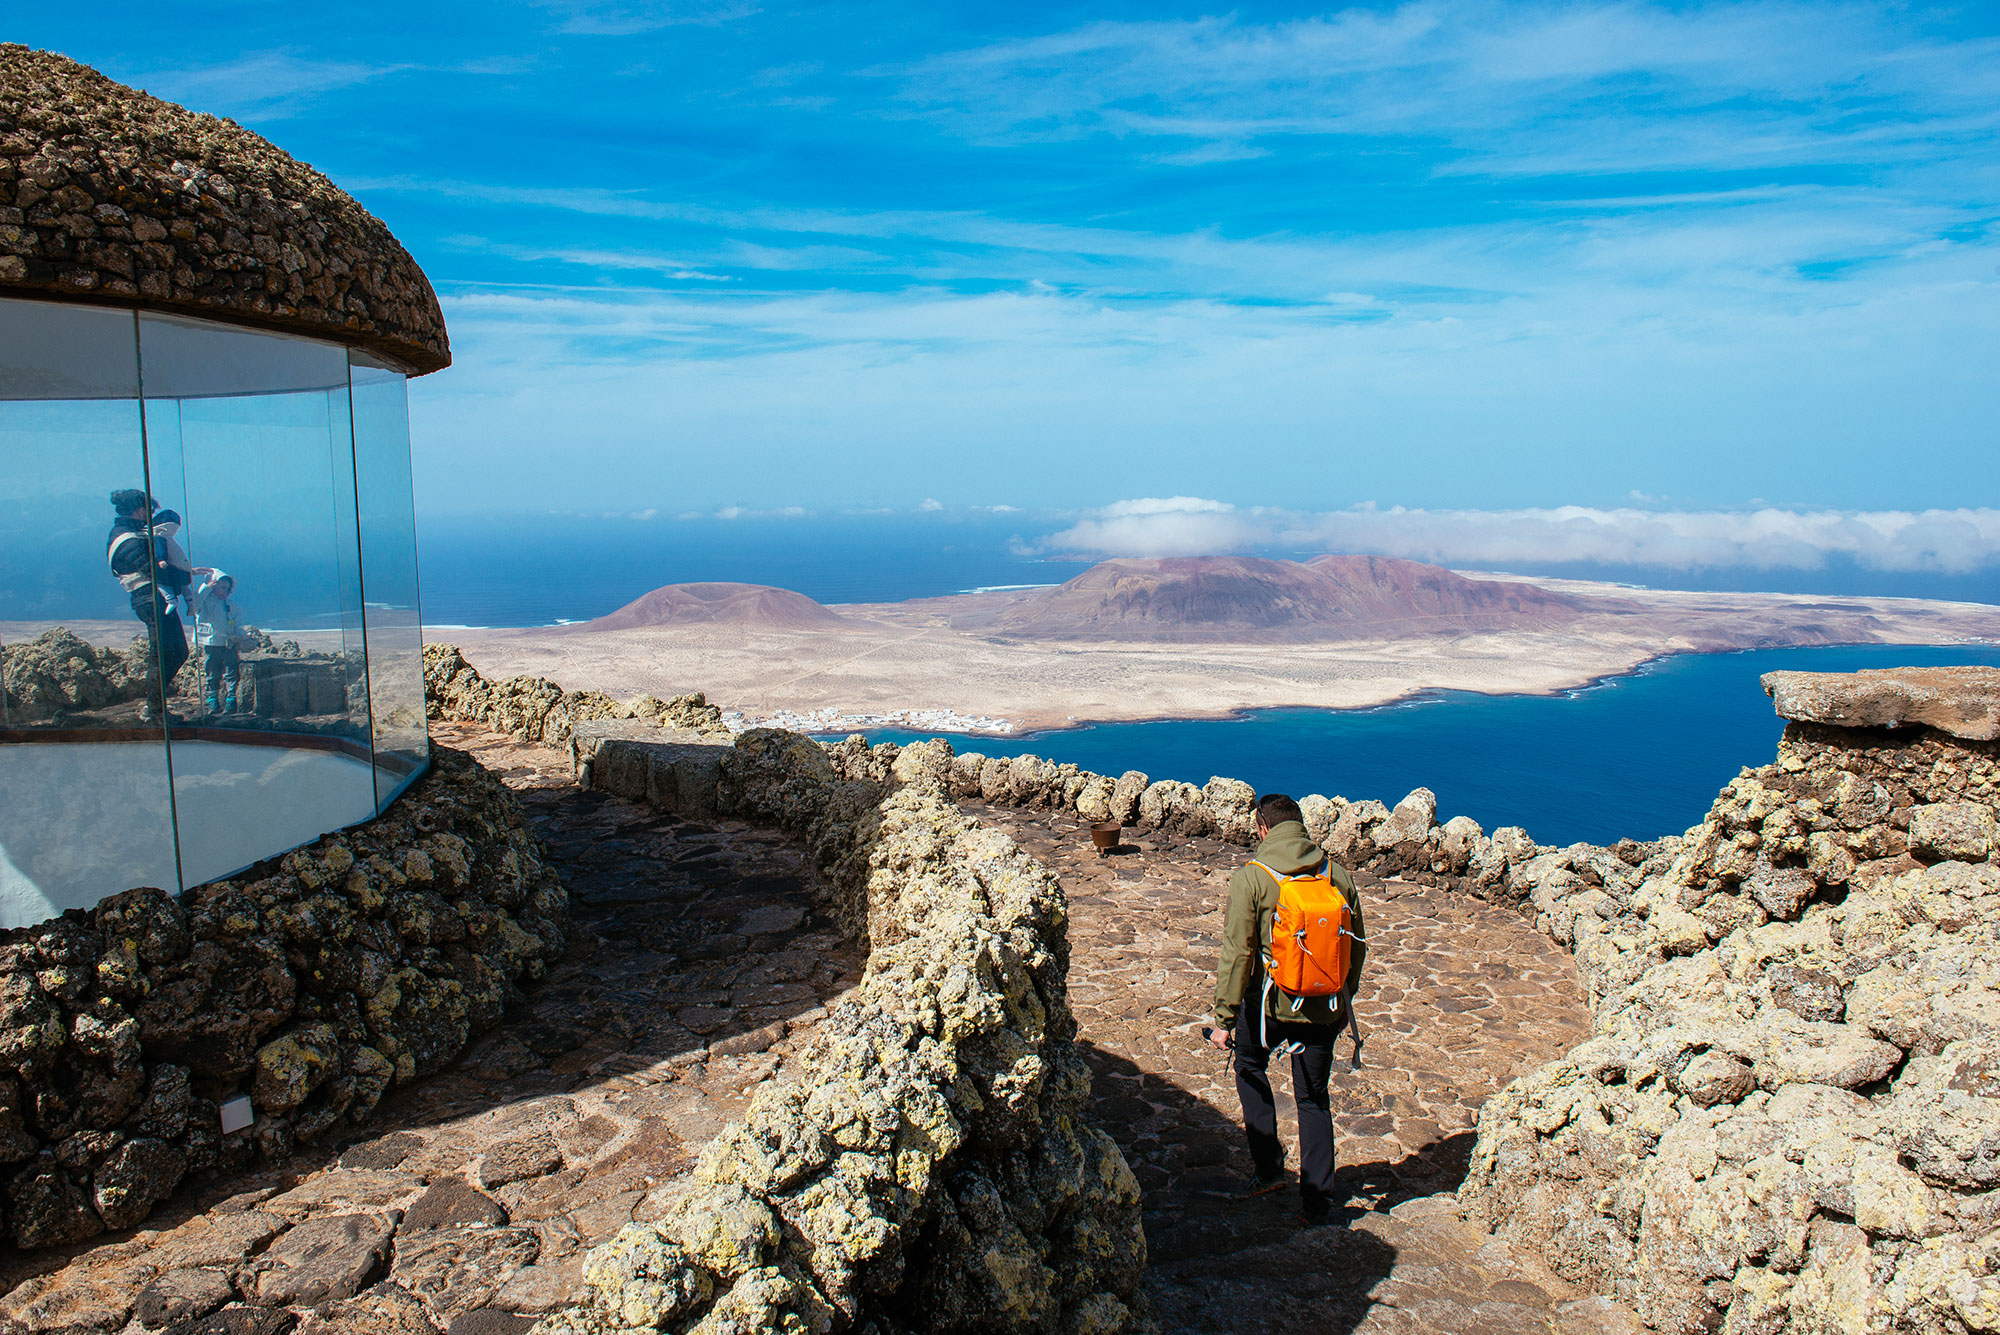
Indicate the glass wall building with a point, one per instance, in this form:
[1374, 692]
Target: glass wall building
[209, 642]
[208, 599]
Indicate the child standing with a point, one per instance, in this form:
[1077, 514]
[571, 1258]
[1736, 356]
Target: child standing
[217, 628]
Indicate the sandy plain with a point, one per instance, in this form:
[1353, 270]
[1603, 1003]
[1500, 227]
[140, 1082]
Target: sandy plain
[929, 655]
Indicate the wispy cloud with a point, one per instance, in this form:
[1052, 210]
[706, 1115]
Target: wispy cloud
[1924, 541]
[266, 85]
[1513, 88]
[629, 18]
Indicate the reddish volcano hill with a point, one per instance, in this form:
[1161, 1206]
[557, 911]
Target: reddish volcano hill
[757, 605]
[1245, 598]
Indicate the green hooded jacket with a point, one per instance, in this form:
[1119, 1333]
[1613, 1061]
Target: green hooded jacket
[1246, 931]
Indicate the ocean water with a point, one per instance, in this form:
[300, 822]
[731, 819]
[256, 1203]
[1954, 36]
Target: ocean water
[1640, 756]
[542, 570]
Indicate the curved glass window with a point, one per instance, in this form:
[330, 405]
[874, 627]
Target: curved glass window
[209, 639]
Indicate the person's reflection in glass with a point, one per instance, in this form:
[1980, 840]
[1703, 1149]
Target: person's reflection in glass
[218, 629]
[153, 569]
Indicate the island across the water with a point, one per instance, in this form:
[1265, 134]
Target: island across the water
[1190, 637]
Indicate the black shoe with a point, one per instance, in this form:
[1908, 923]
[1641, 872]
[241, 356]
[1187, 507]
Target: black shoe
[1261, 1186]
[1324, 1216]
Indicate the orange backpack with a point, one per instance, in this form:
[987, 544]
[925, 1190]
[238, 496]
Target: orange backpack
[1311, 932]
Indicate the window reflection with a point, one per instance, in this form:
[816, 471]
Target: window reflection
[389, 574]
[209, 577]
[255, 429]
[84, 789]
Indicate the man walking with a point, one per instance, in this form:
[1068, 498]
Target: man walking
[1258, 1019]
[151, 567]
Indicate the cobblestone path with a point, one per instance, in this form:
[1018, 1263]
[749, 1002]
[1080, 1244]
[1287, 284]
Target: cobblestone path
[468, 1202]
[1459, 999]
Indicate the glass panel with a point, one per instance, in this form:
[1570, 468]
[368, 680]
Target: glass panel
[389, 574]
[273, 744]
[84, 790]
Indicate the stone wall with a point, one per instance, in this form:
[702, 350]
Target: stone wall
[313, 983]
[931, 1171]
[538, 712]
[58, 674]
[1789, 1117]
[109, 194]
[1405, 840]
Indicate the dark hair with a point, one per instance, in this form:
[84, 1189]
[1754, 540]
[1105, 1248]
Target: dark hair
[126, 500]
[1274, 809]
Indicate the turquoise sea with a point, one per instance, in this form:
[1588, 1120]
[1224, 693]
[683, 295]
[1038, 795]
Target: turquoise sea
[1640, 755]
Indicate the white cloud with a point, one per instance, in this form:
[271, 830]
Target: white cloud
[931, 503]
[1153, 526]
[745, 512]
[1930, 541]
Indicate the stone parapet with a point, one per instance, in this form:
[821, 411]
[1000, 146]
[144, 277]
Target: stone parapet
[538, 712]
[109, 194]
[1785, 1120]
[1962, 702]
[931, 1170]
[310, 984]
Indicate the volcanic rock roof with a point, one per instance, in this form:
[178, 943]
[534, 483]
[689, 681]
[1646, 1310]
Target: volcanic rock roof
[110, 194]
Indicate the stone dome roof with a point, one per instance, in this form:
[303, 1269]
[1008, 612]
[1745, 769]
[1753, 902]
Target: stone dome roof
[109, 194]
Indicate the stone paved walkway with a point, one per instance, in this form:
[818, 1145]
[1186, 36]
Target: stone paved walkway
[1460, 998]
[468, 1202]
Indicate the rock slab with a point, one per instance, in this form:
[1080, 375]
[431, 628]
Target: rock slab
[1961, 701]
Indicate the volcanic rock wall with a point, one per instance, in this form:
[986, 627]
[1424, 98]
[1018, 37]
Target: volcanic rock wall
[932, 1171]
[536, 711]
[312, 983]
[1789, 1118]
[1405, 840]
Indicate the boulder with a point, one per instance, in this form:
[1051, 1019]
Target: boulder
[1410, 821]
[1961, 831]
[1175, 808]
[1125, 795]
[1231, 806]
[1321, 814]
[1456, 842]
[1351, 840]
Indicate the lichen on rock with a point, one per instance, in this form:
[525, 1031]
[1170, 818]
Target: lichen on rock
[1789, 1117]
[932, 1170]
[537, 711]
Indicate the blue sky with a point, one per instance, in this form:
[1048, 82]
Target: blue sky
[1664, 264]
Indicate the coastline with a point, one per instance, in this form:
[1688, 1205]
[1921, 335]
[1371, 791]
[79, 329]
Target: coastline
[855, 677]
[1415, 698]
